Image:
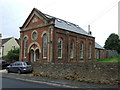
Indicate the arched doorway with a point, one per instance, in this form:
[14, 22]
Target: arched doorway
[32, 55]
[34, 51]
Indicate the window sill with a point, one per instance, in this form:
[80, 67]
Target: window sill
[59, 58]
[44, 57]
[24, 57]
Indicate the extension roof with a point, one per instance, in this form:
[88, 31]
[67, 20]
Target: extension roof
[98, 46]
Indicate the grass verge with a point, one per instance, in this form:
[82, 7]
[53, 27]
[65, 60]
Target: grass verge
[115, 60]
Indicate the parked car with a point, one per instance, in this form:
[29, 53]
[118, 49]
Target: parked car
[3, 64]
[20, 67]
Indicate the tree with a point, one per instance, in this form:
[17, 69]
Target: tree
[13, 55]
[113, 43]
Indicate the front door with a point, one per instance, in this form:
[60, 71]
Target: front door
[34, 55]
[31, 55]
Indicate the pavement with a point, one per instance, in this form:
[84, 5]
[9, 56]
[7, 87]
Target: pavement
[53, 82]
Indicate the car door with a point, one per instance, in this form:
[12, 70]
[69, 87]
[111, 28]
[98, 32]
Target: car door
[16, 67]
[11, 67]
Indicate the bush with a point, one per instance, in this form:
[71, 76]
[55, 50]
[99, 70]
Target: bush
[12, 55]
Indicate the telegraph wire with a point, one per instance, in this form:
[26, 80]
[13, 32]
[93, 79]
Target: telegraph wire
[105, 11]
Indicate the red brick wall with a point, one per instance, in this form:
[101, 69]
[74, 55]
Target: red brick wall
[30, 24]
[38, 40]
[67, 36]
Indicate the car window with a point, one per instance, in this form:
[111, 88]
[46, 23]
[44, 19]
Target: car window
[28, 63]
[12, 64]
[3, 62]
[18, 64]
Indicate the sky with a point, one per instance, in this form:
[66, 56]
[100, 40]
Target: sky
[101, 15]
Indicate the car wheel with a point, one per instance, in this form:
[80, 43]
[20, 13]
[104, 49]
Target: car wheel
[8, 70]
[19, 72]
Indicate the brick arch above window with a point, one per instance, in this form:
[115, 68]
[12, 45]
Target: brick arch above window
[38, 46]
[44, 32]
[26, 36]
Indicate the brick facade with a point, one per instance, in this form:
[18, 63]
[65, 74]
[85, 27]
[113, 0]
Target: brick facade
[37, 22]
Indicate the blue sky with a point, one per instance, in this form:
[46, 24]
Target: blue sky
[102, 15]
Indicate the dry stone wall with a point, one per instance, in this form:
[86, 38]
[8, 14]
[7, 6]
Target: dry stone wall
[107, 73]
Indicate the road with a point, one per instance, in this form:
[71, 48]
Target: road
[13, 83]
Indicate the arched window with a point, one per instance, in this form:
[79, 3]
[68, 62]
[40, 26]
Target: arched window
[97, 54]
[81, 49]
[60, 48]
[72, 49]
[25, 46]
[89, 51]
[45, 46]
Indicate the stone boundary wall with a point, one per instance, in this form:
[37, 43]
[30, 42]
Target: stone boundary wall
[107, 73]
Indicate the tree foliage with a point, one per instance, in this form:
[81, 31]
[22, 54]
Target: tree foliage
[12, 55]
[113, 43]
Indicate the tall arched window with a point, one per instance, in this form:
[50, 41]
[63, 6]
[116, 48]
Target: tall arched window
[81, 47]
[25, 46]
[72, 49]
[60, 47]
[89, 51]
[45, 46]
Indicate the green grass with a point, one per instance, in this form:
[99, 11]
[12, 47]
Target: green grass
[116, 60]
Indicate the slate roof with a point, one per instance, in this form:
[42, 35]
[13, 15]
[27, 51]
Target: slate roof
[62, 24]
[7, 39]
[98, 46]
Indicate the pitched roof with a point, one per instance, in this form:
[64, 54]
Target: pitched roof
[5, 40]
[98, 46]
[17, 40]
[62, 24]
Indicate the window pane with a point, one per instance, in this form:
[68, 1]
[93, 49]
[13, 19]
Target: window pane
[89, 51]
[72, 49]
[25, 46]
[81, 50]
[45, 46]
[59, 48]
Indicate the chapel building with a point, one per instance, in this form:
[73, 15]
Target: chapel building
[44, 38]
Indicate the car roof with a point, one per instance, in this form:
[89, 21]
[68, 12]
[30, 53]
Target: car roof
[20, 61]
[2, 60]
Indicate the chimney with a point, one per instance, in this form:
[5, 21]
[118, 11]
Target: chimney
[89, 32]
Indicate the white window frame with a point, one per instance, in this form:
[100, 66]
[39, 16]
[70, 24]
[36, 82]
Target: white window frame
[81, 48]
[60, 43]
[25, 46]
[98, 54]
[89, 51]
[72, 49]
[45, 39]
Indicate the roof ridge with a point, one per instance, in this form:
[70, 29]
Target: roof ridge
[8, 38]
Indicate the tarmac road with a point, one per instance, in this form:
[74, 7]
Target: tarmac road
[13, 83]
